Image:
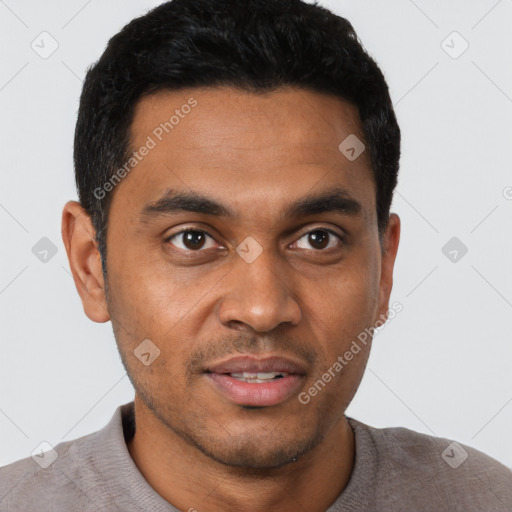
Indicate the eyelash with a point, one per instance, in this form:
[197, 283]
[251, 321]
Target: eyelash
[195, 230]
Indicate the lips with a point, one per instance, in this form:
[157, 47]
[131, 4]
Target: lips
[253, 365]
[256, 382]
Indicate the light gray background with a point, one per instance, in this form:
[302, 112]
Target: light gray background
[442, 366]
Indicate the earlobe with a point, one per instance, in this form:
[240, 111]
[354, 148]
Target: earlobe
[390, 242]
[78, 236]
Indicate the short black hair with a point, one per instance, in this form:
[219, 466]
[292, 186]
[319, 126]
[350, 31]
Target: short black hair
[255, 45]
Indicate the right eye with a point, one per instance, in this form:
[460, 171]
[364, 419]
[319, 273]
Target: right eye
[190, 240]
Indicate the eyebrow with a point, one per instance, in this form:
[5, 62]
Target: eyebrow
[337, 200]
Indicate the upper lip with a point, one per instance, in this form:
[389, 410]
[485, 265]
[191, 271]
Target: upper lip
[242, 364]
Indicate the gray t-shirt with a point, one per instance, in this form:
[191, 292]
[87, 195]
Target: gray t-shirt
[395, 470]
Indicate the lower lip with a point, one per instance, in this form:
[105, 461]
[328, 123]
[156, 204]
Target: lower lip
[265, 394]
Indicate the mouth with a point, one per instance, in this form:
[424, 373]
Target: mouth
[248, 381]
[258, 378]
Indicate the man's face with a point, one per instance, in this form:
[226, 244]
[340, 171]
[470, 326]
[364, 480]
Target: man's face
[220, 295]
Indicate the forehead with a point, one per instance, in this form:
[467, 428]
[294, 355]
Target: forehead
[224, 114]
[245, 147]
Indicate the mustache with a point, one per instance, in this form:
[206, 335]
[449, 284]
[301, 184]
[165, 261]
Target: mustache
[253, 345]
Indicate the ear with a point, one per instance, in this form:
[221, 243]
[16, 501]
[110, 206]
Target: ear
[391, 239]
[84, 258]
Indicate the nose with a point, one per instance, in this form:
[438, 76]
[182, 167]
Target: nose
[259, 295]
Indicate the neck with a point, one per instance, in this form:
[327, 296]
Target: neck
[190, 480]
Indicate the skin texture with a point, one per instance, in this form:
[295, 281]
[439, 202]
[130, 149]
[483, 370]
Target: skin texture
[256, 154]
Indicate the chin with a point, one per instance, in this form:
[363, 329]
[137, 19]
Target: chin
[256, 452]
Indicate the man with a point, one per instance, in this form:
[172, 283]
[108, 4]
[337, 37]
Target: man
[235, 164]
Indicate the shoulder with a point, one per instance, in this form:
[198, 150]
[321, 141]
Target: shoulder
[53, 480]
[433, 470]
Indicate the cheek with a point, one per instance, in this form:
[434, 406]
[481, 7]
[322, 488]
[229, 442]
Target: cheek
[344, 311]
[145, 289]
[347, 304]
[149, 300]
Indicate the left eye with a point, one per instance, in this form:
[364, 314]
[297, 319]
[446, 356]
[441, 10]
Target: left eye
[319, 239]
[191, 240]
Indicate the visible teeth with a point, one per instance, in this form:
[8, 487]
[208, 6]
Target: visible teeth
[243, 375]
[259, 377]
[270, 375]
